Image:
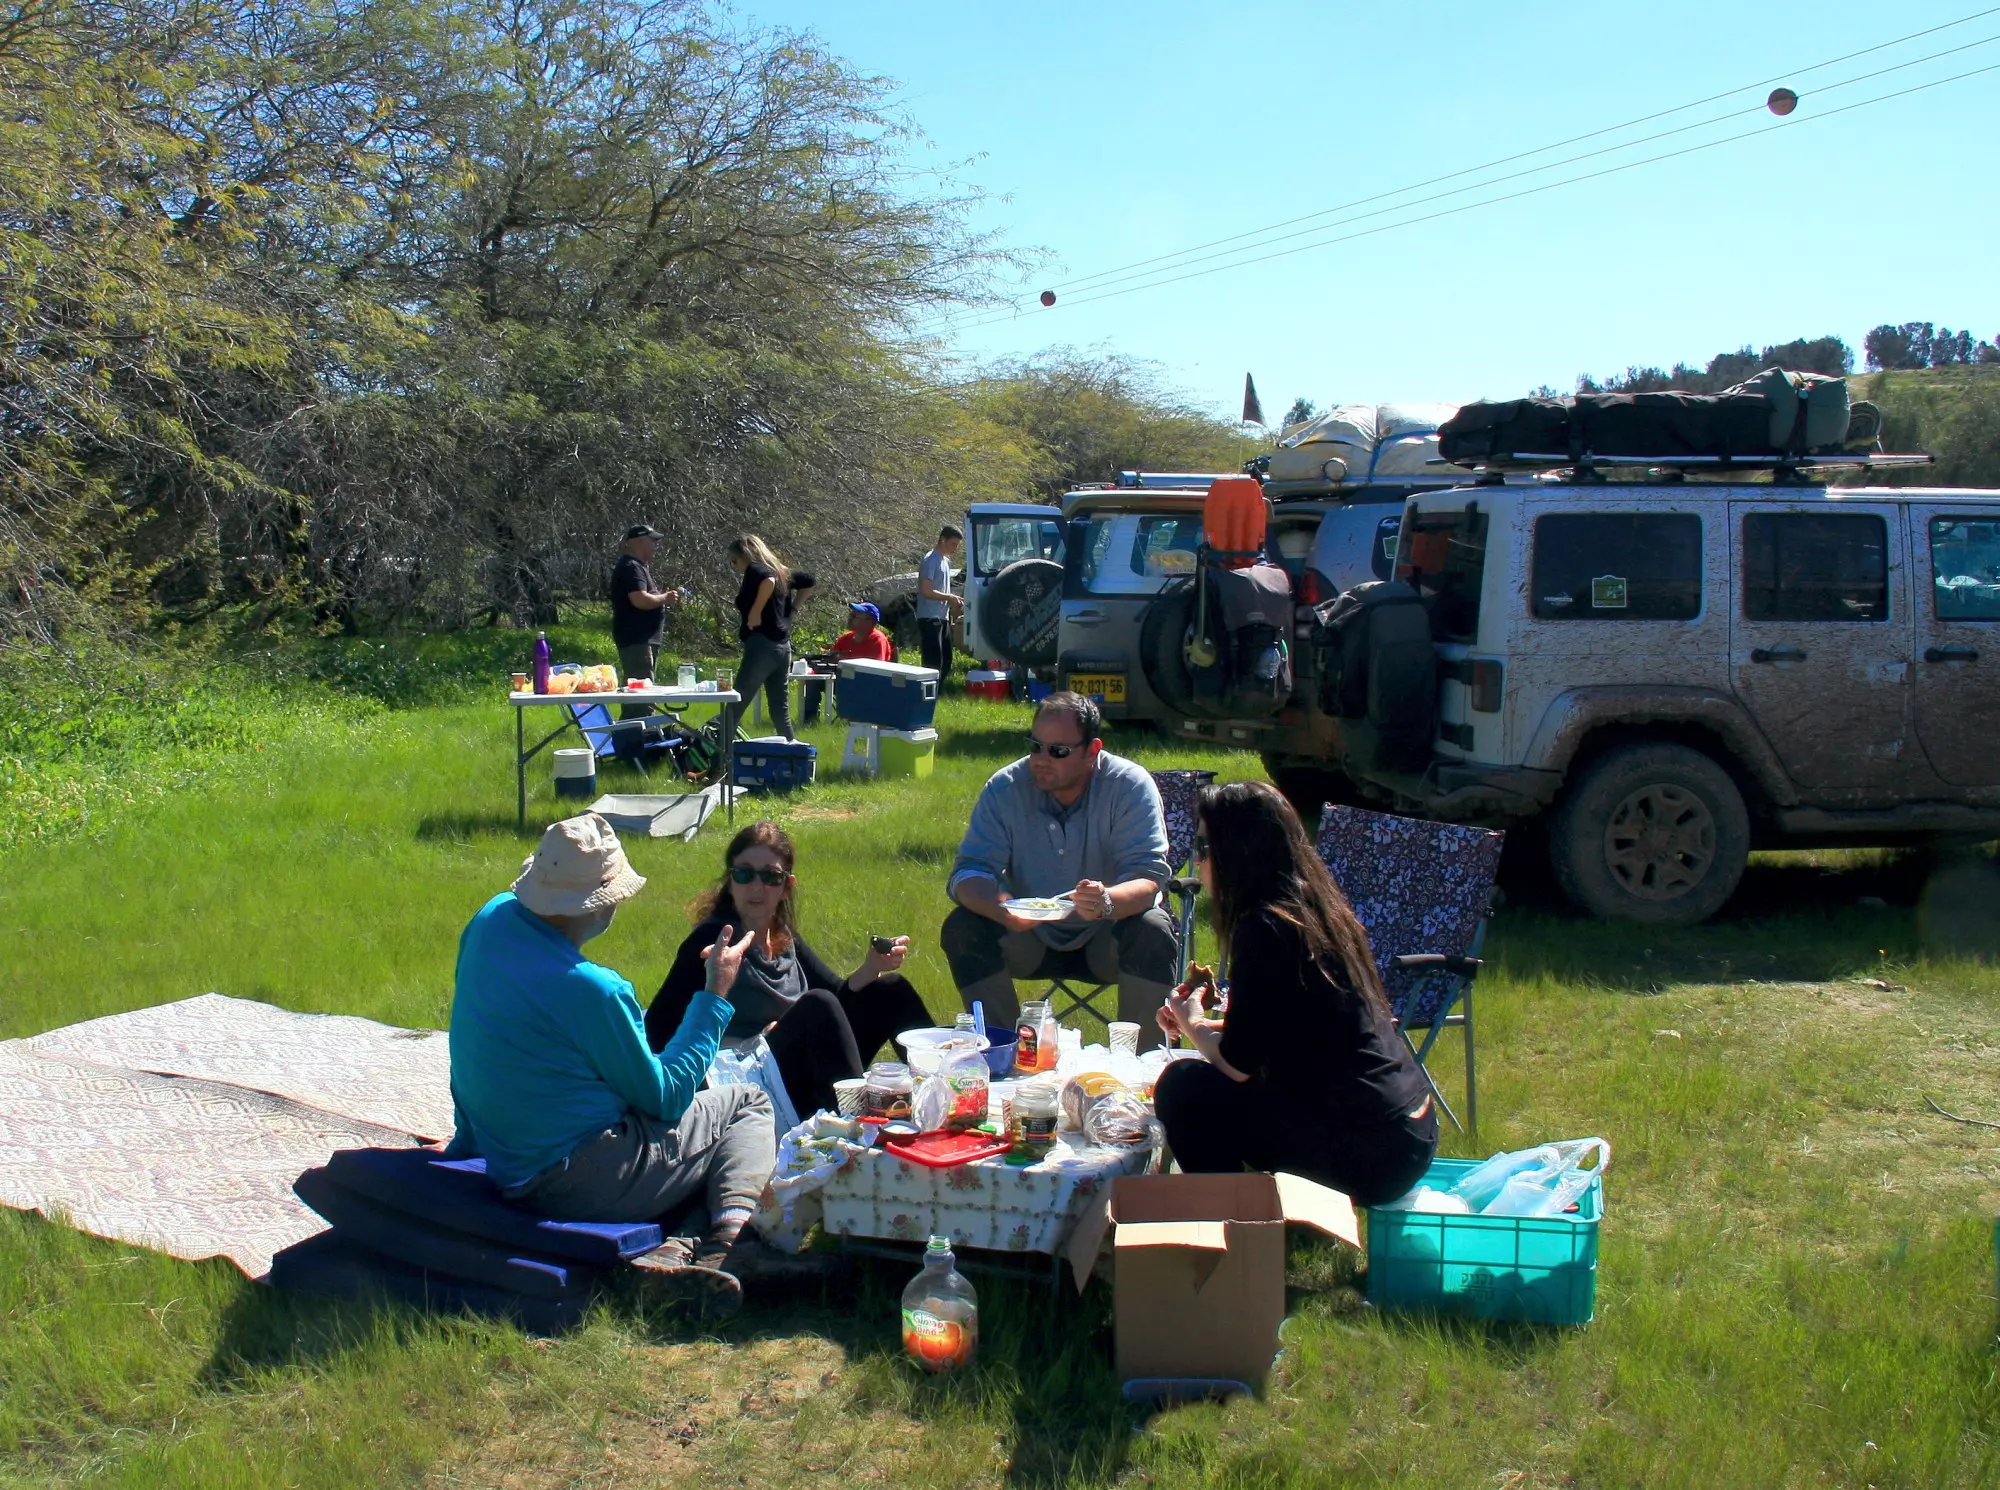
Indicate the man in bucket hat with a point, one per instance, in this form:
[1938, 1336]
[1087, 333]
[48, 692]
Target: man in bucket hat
[557, 1088]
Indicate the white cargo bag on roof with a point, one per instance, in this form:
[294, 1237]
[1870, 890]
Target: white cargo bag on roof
[1370, 442]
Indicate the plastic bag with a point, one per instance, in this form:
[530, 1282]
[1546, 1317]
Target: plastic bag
[951, 1089]
[1118, 1120]
[754, 1065]
[1544, 1181]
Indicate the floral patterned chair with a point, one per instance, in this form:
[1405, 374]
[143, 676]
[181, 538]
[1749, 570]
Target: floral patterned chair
[1423, 892]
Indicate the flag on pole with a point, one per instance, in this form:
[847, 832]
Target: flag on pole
[1253, 412]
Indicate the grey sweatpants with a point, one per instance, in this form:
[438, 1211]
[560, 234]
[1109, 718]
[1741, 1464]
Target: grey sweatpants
[642, 1168]
[765, 664]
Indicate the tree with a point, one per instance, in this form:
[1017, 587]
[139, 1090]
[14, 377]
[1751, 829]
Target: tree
[1300, 412]
[1827, 355]
[1090, 417]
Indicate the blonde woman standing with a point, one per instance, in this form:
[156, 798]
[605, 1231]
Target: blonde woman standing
[764, 603]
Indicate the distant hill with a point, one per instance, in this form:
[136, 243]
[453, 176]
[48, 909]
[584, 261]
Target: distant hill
[1952, 412]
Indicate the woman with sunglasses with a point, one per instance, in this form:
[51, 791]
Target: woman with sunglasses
[822, 1027]
[1305, 1071]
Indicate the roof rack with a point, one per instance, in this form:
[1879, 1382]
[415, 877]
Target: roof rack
[1530, 460]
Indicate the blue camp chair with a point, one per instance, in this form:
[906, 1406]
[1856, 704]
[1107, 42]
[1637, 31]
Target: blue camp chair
[1069, 993]
[1422, 891]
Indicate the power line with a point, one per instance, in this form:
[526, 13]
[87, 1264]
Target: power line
[1112, 294]
[1679, 129]
[1181, 257]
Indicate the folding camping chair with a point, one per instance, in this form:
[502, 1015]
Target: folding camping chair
[606, 735]
[1422, 892]
[1068, 992]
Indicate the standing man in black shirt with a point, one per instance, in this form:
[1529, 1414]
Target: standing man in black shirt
[638, 610]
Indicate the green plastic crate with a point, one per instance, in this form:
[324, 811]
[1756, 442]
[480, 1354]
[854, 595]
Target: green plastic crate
[1539, 1269]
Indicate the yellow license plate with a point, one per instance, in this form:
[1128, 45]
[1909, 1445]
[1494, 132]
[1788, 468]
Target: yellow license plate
[1107, 687]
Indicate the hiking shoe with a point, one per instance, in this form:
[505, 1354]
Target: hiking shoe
[703, 1295]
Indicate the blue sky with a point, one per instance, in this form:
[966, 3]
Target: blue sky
[1108, 133]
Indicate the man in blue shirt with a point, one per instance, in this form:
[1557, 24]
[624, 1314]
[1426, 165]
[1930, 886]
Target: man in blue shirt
[556, 1087]
[1069, 819]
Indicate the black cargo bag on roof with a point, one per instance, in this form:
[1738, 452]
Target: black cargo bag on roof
[1478, 432]
[1240, 662]
[1378, 674]
[1663, 425]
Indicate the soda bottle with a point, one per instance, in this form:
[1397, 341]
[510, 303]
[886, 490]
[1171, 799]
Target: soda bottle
[541, 662]
[940, 1313]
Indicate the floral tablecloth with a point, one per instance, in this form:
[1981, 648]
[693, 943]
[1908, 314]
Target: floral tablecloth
[990, 1203]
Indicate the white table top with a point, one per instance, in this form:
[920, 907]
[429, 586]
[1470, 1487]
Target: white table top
[655, 695]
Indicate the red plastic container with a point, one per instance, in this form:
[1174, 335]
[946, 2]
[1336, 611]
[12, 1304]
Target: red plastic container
[1233, 519]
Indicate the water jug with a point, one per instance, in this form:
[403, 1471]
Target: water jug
[940, 1313]
[541, 662]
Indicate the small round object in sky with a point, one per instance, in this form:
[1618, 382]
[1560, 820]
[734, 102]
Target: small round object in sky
[1782, 101]
[1048, 297]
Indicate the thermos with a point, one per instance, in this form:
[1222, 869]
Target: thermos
[541, 662]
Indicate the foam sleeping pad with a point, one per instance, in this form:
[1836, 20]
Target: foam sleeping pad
[334, 1266]
[456, 1193]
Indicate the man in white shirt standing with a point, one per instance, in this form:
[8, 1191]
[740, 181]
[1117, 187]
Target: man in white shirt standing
[936, 603]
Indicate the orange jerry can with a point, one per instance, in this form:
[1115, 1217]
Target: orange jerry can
[1233, 519]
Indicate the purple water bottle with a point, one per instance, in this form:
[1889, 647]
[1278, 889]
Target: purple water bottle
[541, 662]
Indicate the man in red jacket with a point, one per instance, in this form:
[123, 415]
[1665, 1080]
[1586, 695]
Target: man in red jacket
[863, 638]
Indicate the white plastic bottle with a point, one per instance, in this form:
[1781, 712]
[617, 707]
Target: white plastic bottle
[941, 1313]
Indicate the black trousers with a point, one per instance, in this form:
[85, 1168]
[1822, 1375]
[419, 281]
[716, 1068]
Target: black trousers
[1216, 1125]
[828, 1037]
[934, 643]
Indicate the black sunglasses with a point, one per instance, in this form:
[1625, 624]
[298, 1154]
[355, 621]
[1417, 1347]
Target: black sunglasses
[1201, 845]
[743, 874]
[1054, 752]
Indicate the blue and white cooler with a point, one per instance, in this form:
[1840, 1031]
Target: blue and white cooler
[576, 773]
[894, 695]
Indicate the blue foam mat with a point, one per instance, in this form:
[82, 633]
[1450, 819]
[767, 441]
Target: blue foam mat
[424, 1244]
[456, 1193]
[334, 1267]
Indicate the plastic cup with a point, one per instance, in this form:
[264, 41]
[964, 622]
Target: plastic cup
[520, 682]
[686, 677]
[849, 1094]
[1124, 1038]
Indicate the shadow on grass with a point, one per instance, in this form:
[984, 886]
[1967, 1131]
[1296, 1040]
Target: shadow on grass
[463, 827]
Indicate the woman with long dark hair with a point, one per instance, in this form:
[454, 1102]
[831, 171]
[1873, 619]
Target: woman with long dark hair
[764, 604]
[1305, 1071]
[822, 1027]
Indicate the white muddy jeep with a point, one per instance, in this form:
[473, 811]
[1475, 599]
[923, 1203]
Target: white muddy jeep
[1664, 675]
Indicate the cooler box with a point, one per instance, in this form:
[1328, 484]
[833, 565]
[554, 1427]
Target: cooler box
[576, 772]
[892, 694]
[1542, 1269]
[775, 763]
[986, 683]
[907, 752]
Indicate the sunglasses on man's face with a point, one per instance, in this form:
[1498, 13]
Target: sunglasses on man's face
[743, 874]
[1054, 752]
[1201, 845]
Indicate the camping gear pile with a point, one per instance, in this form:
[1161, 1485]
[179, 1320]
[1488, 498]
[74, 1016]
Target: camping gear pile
[1362, 445]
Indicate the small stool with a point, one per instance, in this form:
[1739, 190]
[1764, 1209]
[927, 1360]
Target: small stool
[863, 753]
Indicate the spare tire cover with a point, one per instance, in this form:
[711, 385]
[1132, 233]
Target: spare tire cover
[1163, 646]
[1020, 611]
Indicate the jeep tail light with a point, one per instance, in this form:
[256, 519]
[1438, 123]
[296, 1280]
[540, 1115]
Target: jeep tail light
[1312, 589]
[1487, 677]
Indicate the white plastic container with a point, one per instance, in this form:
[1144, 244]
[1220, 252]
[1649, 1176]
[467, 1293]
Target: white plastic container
[576, 772]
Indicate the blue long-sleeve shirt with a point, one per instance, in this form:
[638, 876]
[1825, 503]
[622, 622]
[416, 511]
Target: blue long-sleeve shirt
[549, 1049]
[1027, 843]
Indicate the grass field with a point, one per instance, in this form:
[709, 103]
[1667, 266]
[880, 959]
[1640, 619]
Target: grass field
[1797, 1279]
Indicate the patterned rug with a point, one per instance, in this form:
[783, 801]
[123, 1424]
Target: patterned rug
[349, 1067]
[182, 1127]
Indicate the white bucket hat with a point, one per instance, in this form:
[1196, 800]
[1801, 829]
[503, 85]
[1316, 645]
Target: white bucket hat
[579, 867]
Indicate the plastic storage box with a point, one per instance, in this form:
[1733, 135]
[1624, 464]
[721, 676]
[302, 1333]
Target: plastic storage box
[1540, 1269]
[775, 764]
[907, 752]
[892, 694]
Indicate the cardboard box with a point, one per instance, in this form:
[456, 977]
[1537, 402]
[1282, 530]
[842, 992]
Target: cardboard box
[1198, 1267]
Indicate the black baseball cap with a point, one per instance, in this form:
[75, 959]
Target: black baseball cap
[641, 530]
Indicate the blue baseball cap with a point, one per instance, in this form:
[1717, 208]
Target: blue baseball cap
[866, 608]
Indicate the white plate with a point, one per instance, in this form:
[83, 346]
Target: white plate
[1035, 909]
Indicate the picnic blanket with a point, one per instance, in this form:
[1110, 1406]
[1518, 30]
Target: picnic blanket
[181, 1127]
[349, 1067]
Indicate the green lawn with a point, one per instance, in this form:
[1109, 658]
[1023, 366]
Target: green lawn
[1797, 1274]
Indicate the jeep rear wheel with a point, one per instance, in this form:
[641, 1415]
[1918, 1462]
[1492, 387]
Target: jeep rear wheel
[1651, 833]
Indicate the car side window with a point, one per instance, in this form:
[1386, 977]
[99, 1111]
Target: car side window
[1965, 568]
[999, 541]
[1815, 566]
[1616, 566]
[1165, 546]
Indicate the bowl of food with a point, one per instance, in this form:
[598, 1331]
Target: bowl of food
[1037, 908]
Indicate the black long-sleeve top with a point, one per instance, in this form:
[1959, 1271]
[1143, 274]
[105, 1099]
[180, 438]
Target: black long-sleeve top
[1325, 1053]
[689, 975]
